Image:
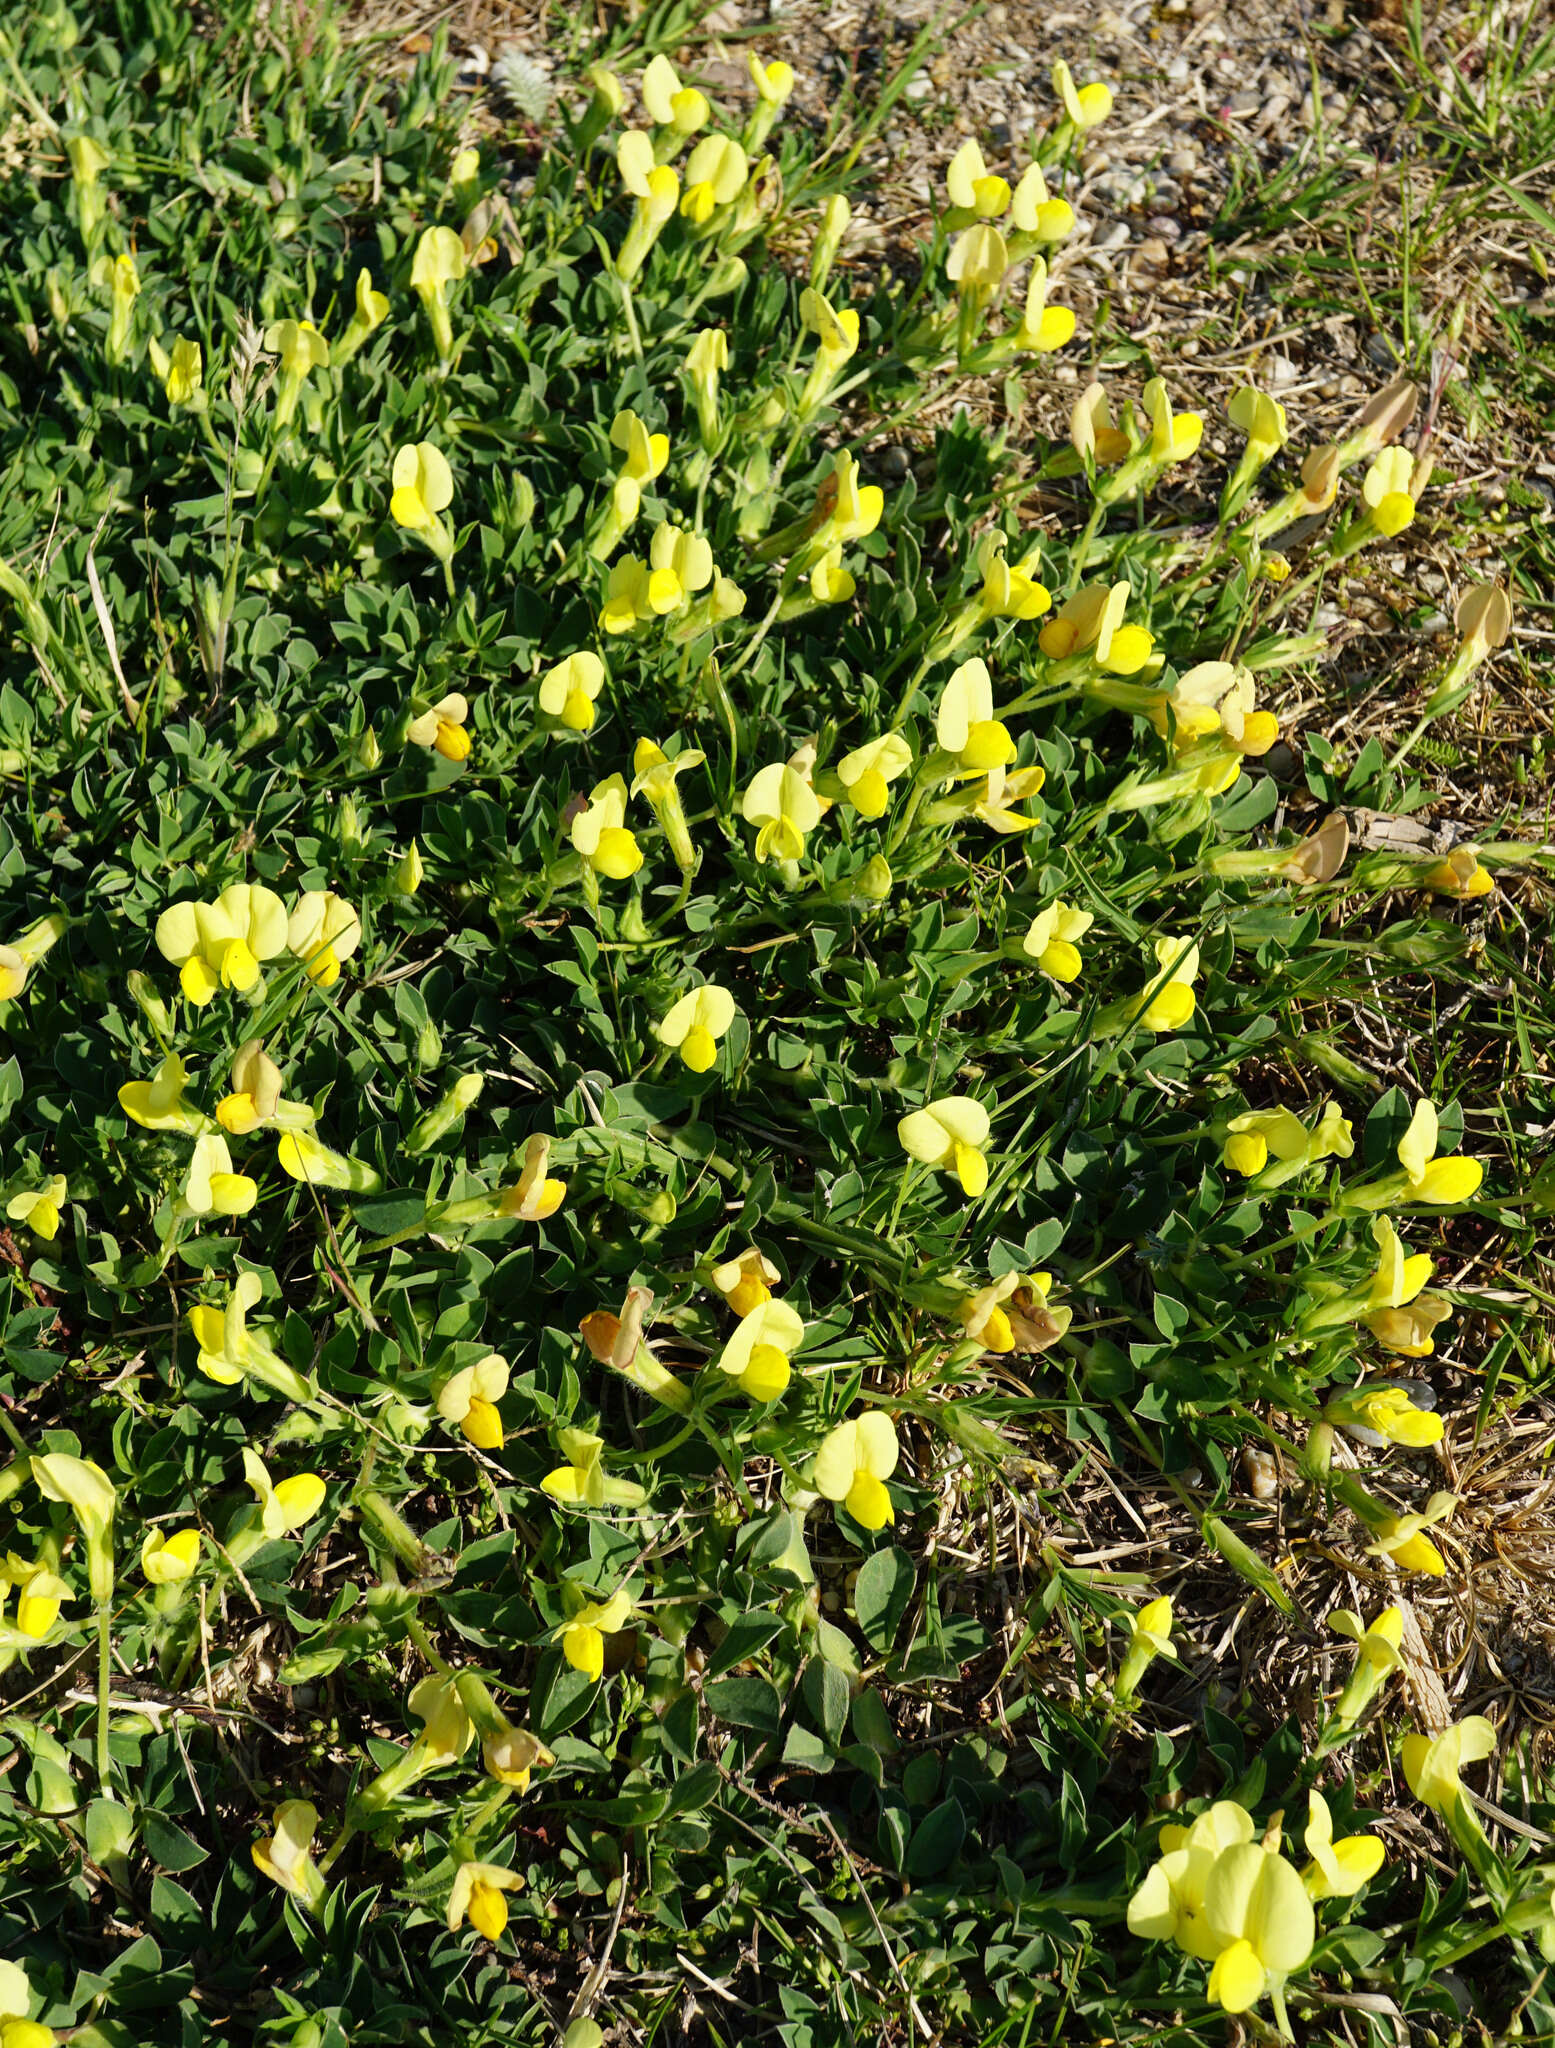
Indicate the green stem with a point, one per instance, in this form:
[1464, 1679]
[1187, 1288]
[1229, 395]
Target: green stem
[104, 1672]
[630, 310]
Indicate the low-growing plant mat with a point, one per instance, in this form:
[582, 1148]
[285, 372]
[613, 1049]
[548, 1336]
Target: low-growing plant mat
[774, 1069]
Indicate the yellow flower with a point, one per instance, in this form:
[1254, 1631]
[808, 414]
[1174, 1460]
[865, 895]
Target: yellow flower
[868, 772]
[707, 357]
[1092, 433]
[477, 1894]
[1087, 107]
[979, 258]
[854, 509]
[124, 289]
[443, 728]
[1169, 1903]
[1011, 593]
[773, 82]
[229, 1351]
[371, 310]
[1399, 1276]
[1484, 619]
[645, 454]
[1171, 439]
[221, 944]
[1034, 211]
[1408, 1330]
[583, 1637]
[654, 775]
[1169, 1004]
[18, 961]
[167, 1559]
[211, 1183]
[40, 1595]
[783, 807]
[657, 192]
[599, 832]
[679, 560]
[1042, 328]
[1051, 939]
[965, 725]
[1402, 1541]
[837, 342]
[568, 690]
[439, 261]
[423, 489]
[1092, 620]
[1380, 1653]
[288, 1506]
[299, 345]
[1213, 696]
[39, 1208]
[1390, 489]
[1459, 875]
[535, 1196]
[306, 1158]
[853, 1464]
[1432, 1763]
[1261, 419]
[159, 1103]
[716, 172]
[1150, 1636]
[285, 1854]
[302, 350]
[694, 1025]
[182, 372]
[756, 1356]
[469, 1398]
[1005, 1315]
[1379, 1643]
[746, 1281]
[671, 104]
[1390, 1412]
[972, 190]
[510, 1754]
[324, 931]
[1441, 1181]
[1257, 1909]
[950, 1135]
[1338, 1869]
[636, 594]
[255, 1101]
[830, 582]
[446, 1728]
[583, 1481]
[1259, 1133]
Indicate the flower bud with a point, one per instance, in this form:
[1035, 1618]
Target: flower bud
[444, 1114]
[406, 875]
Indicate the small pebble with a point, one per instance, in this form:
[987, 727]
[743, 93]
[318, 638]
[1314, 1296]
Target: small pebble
[1153, 253]
[1162, 224]
[1260, 1473]
[1281, 370]
[895, 461]
[1110, 238]
[1182, 161]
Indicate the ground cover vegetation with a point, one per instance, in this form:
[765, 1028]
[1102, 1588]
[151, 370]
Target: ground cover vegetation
[631, 1038]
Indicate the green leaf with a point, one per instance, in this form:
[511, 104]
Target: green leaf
[745, 1703]
[880, 1595]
